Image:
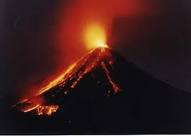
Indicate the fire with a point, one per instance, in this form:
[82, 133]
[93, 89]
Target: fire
[95, 36]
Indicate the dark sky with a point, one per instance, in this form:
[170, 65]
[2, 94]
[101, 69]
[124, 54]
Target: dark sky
[159, 43]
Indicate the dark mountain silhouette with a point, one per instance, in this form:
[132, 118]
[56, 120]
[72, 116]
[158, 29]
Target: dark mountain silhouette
[102, 93]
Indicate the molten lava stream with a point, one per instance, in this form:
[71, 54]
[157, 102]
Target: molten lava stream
[114, 86]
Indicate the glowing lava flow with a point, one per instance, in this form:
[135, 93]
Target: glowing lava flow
[43, 110]
[32, 108]
[57, 80]
[47, 110]
[114, 85]
[96, 58]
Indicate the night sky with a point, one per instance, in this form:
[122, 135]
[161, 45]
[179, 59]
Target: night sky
[158, 41]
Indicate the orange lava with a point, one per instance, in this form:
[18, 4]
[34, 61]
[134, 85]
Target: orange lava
[70, 72]
[114, 85]
[57, 80]
[31, 109]
[43, 110]
[47, 110]
[70, 78]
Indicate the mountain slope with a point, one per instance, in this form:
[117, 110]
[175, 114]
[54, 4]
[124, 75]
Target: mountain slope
[100, 57]
[103, 93]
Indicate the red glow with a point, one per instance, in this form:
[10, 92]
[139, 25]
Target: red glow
[75, 18]
[81, 14]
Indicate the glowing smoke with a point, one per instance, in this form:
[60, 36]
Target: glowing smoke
[81, 14]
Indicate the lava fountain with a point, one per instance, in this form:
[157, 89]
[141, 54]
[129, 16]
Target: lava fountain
[95, 36]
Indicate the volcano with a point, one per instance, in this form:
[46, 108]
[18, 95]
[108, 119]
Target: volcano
[96, 65]
[103, 93]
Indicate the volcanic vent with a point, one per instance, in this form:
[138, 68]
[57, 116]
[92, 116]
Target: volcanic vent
[97, 64]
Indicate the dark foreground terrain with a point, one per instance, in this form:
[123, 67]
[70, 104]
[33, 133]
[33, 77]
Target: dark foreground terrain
[103, 94]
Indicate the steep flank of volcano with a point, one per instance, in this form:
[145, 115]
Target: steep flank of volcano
[104, 93]
[97, 58]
